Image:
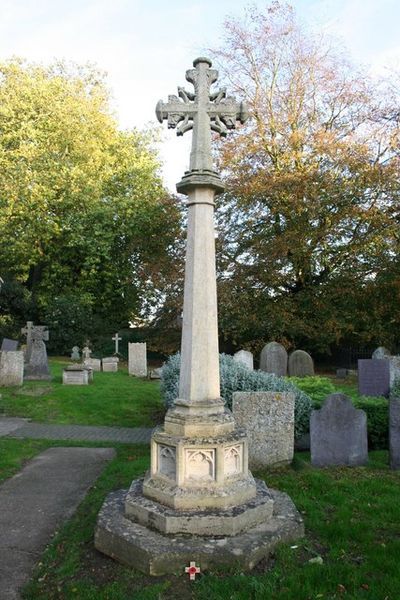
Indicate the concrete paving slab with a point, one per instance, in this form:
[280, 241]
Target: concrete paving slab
[10, 424]
[35, 502]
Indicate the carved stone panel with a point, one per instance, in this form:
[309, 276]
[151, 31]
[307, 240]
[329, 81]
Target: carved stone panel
[200, 464]
[233, 460]
[167, 461]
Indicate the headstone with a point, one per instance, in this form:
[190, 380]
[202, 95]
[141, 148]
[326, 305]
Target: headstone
[373, 377]
[301, 364]
[274, 359]
[245, 358]
[116, 339]
[156, 373]
[341, 373]
[8, 345]
[110, 364]
[394, 433]
[268, 418]
[27, 330]
[75, 353]
[89, 372]
[137, 359]
[38, 365]
[86, 353]
[394, 369]
[338, 433]
[381, 352]
[75, 375]
[11, 368]
[93, 363]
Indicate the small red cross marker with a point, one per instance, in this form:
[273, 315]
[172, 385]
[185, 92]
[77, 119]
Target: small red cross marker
[192, 570]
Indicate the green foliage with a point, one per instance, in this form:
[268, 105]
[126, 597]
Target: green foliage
[84, 219]
[235, 377]
[377, 410]
[318, 388]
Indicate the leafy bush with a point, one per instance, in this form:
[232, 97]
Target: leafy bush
[235, 377]
[318, 388]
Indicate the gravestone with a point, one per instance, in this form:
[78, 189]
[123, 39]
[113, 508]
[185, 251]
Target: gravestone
[341, 373]
[93, 363]
[75, 353]
[156, 373]
[38, 365]
[381, 352]
[268, 418]
[110, 364]
[300, 364]
[274, 359]
[245, 358]
[75, 375]
[394, 433]
[27, 330]
[11, 368]
[373, 377]
[8, 345]
[394, 369]
[338, 433]
[116, 339]
[137, 359]
[86, 353]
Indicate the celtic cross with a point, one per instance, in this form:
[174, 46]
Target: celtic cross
[203, 111]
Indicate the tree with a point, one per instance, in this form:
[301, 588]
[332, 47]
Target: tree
[84, 218]
[311, 217]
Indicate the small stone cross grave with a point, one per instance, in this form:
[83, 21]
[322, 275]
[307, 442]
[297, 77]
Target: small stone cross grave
[116, 339]
[27, 330]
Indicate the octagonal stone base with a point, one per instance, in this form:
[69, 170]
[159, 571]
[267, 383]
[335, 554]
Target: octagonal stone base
[228, 521]
[156, 554]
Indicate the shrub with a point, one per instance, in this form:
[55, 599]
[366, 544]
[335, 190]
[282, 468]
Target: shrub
[318, 388]
[235, 377]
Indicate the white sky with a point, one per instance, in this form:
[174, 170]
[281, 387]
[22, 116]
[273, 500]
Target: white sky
[146, 47]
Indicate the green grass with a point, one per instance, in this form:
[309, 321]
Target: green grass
[112, 399]
[352, 518]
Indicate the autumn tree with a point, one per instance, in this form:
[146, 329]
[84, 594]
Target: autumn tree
[310, 222]
[87, 230]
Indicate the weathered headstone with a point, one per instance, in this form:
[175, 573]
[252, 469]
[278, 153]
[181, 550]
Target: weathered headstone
[381, 352]
[86, 353]
[75, 353]
[394, 433]
[268, 418]
[8, 345]
[11, 368]
[338, 433]
[116, 339]
[301, 364]
[38, 366]
[27, 330]
[137, 359]
[373, 377]
[274, 359]
[156, 373]
[245, 358]
[394, 369]
[75, 375]
[93, 363]
[110, 364]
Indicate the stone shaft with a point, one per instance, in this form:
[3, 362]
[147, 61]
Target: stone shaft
[199, 378]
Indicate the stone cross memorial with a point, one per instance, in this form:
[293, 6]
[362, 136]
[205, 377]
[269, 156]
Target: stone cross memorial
[199, 487]
[38, 366]
[27, 330]
[116, 339]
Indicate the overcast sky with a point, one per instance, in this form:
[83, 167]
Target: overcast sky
[146, 46]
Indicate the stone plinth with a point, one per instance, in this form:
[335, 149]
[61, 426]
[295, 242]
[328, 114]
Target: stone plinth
[268, 418]
[75, 375]
[110, 364]
[11, 368]
[137, 363]
[155, 553]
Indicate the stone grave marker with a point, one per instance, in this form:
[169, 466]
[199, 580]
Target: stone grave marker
[268, 418]
[301, 364]
[75, 353]
[394, 369]
[93, 363]
[245, 358]
[38, 366]
[116, 339]
[394, 433]
[110, 364]
[137, 359]
[75, 375]
[156, 373]
[86, 353]
[8, 345]
[381, 352]
[27, 330]
[338, 433]
[274, 359]
[11, 368]
[373, 377]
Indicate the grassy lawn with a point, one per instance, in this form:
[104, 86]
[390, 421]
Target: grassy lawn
[352, 519]
[112, 399]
